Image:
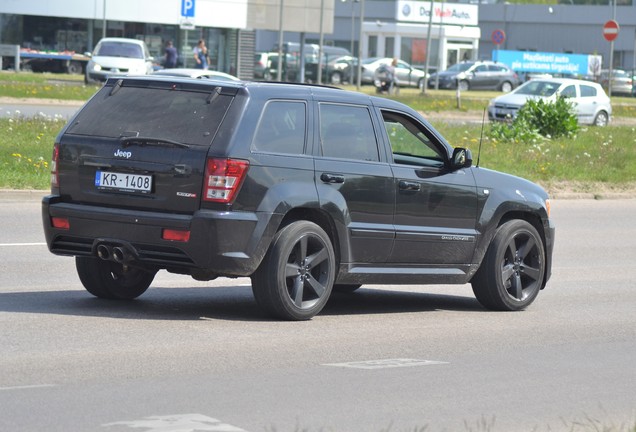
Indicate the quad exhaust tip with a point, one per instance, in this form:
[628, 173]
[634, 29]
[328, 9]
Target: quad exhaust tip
[119, 254]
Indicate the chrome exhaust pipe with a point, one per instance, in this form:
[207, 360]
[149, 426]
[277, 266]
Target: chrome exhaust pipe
[104, 252]
[121, 255]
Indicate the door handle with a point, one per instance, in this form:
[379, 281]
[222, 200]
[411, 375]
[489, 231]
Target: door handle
[332, 178]
[408, 186]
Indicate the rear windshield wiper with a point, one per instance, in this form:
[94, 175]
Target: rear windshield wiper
[151, 141]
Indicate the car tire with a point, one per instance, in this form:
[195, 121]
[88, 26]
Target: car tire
[345, 288]
[295, 279]
[336, 78]
[506, 87]
[74, 68]
[513, 270]
[464, 85]
[111, 280]
[420, 84]
[601, 119]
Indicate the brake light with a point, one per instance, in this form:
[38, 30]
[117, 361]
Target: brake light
[223, 178]
[175, 235]
[55, 179]
[60, 223]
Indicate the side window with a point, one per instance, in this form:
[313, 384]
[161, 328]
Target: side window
[411, 144]
[588, 91]
[281, 128]
[346, 131]
[569, 92]
[481, 68]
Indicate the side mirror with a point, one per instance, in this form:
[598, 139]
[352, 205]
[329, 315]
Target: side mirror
[462, 158]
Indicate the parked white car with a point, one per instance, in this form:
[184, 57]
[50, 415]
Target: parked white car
[591, 103]
[115, 56]
[196, 73]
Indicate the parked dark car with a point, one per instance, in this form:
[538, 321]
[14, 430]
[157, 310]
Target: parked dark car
[304, 189]
[342, 70]
[482, 75]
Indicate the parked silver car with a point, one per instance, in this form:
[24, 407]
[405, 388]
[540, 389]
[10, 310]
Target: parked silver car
[622, 82]
[407, 75]
[591, 104]
[484, 75]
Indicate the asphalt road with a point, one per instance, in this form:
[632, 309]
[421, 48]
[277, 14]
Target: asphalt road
[192, 356]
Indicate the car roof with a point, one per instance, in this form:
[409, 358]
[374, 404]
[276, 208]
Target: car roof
[565, 81]
[117, 39]
[281, 90]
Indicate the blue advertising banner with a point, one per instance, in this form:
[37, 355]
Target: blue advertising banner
[551, 63]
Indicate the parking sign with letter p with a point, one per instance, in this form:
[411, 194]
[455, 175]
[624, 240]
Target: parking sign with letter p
[187, 8]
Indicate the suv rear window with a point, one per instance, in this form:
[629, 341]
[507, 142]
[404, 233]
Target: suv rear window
[190, 117]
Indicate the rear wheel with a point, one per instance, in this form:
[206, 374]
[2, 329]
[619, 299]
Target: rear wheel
[336, 78]
[512, 272]
[111, 280]
[295, 279]
[601, 119]
[506, 87]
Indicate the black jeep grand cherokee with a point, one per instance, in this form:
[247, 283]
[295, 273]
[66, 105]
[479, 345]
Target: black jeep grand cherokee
[304, 189]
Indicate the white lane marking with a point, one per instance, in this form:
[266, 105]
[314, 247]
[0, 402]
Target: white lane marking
[22, 244]
[26, 387]
[386, 363]
[178, 423]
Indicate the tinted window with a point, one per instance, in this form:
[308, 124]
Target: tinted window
[189, 117]
[588, 91]
[497, 68]
[346, 131]
[281, 128]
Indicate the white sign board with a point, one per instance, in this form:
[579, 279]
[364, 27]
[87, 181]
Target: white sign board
[443, 13]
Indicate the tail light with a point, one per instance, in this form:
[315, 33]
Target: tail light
[55, 179]
[223, 178]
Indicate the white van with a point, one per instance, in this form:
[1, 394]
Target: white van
[115, 56]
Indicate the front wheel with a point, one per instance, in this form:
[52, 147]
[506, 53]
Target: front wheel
[463, 85]
[601, 119]
[513, 269]
[336, 78]
[111, 280]
[295, 279]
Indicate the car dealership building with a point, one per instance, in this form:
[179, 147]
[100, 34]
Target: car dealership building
[446, 32]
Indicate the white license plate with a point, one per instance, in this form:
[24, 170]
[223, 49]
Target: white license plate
[123, 182]
[505, 112]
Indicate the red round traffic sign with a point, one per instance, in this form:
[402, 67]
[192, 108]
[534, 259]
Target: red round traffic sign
[610, 30]
[498, 37]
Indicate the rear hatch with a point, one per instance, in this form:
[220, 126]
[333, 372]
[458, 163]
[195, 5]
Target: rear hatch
[142, 143]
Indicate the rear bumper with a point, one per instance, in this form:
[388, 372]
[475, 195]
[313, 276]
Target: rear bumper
[225, 243]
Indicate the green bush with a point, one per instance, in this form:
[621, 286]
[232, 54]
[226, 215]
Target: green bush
[539, 119]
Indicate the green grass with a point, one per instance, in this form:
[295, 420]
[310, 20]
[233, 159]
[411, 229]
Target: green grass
[25, 152]
[597, 157]
[45, 86]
